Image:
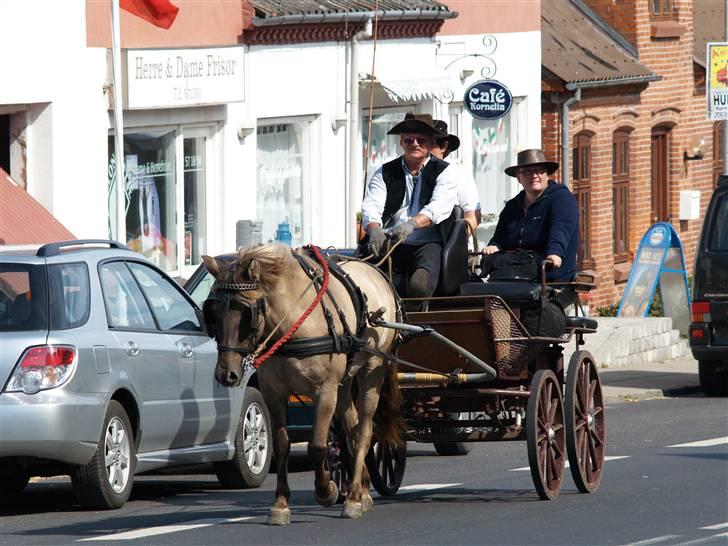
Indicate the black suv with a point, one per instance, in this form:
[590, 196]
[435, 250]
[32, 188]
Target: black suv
[709, 327]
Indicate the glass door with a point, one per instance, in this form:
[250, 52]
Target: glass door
[195, 174]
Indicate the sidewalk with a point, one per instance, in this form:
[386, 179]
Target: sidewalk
[651, 380]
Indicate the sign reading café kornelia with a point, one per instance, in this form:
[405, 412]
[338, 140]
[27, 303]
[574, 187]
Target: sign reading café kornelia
[166, 78]
[488, 99]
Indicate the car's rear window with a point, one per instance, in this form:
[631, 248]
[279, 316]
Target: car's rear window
[718, 239]
[71, 301]
[23, 301]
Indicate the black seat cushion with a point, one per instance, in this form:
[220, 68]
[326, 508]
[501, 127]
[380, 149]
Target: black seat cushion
[454, 265]
[581, 322]
[508, 290]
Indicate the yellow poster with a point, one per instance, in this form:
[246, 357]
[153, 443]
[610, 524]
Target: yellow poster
[717, 84]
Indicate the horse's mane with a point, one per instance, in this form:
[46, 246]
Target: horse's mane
[272, 261]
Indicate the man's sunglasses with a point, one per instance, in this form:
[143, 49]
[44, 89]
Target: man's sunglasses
[409, 141]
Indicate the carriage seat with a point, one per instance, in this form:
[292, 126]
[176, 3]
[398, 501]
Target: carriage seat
[510, 291]
[581, 323]
[454, 263]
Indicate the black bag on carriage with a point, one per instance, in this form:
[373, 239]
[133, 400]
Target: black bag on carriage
[543, 318]
[516, 265]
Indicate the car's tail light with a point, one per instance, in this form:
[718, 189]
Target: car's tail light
[43, 367]
[700, 311]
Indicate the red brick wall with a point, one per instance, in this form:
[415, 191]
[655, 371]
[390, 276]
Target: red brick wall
[670, 102]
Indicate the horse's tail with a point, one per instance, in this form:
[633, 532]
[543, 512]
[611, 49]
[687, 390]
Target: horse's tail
[388, 421]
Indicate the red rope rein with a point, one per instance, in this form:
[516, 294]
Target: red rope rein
[324, 285]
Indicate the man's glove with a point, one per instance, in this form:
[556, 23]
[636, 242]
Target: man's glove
[402, 231]
[377, 238]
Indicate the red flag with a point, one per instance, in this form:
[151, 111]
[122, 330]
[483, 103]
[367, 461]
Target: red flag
[161, 13]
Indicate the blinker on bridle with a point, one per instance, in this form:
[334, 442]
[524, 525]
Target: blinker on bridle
[228, 290]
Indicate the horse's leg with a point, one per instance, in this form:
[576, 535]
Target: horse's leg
[370, 383]
[346, 410]
[280, 514]
[326, 492]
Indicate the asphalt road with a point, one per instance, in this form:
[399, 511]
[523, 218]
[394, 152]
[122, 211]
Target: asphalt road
[654, 491]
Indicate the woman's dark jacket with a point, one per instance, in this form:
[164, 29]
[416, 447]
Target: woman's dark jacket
[549, 226]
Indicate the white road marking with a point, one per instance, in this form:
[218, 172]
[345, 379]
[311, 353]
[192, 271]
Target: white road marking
[428, 486]
[655, 540]
[705, 443]
[705, 539]
[163, 529]
[566, 465]
[716, 526]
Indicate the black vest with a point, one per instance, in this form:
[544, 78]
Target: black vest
[394, 179]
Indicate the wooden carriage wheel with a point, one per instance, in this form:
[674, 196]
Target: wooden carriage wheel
[386, 464]
[339, 459]
[585, 426]
[545, 434]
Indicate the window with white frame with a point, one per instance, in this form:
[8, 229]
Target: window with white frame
[383, 147]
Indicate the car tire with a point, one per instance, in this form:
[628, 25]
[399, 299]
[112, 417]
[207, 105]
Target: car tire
[247, 470]
[713, 377]
[100, 486]
[453, 448]
[13, 480]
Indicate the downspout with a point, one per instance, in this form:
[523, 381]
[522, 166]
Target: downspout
[355, 186]
[565, 148]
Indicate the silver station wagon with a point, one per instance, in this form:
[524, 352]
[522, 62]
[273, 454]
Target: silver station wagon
[107, 371]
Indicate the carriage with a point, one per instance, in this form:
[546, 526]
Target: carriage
[468, 370]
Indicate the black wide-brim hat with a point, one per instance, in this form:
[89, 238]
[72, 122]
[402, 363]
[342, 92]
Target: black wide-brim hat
[531, 158]
[421, 124]
[453, 142]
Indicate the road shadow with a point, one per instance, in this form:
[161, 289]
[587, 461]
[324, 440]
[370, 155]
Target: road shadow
[643, 379]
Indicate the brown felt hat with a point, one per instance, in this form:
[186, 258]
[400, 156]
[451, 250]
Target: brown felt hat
[421, 124]
[453, 142]
[530, 158]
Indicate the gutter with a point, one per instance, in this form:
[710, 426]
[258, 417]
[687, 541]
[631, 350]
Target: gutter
[623, 80]
[352, 17]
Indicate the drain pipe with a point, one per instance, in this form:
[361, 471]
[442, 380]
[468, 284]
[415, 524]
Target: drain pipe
[355, 186]
[565, 148]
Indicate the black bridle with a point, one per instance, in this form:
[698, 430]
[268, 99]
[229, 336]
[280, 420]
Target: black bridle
[225, 293]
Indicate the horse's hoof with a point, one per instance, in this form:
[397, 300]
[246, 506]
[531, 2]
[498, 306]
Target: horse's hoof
[352, 510]
[367, 502]
[279, 516]
[332, 497]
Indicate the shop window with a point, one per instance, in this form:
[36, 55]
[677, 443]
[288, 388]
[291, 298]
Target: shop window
[661, 9]
[282, 179]
[620, 195]
[717, 151]
[383, 147]
[195, 190]
[582, 162]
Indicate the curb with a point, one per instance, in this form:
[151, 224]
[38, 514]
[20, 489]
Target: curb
[651, 394]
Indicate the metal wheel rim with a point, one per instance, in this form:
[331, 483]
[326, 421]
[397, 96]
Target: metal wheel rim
[255, 438]
[117, 455]
[585, 424]
[546, 435]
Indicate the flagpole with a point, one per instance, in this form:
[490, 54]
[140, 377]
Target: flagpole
[120, 234]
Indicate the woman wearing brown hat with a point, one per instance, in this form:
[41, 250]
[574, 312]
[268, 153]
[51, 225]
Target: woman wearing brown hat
[543, 218]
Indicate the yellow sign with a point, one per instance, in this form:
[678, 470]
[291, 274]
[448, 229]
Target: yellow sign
[717, 80]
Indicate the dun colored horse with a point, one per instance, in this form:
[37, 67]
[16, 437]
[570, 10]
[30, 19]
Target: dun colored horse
[265, 290]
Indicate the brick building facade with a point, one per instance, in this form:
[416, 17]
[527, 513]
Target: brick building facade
[635, 128]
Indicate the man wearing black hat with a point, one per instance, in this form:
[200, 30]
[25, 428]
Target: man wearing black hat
[543, 218]
[405, 199]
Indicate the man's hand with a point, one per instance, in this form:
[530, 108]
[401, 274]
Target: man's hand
[556, 260]
[377, 238]
[492, 249]
[402, 231]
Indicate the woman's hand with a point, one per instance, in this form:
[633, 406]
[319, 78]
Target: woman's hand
[554, 259]
[492, 249]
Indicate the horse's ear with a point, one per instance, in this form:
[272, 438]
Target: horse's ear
[254, 271]
[212, 265]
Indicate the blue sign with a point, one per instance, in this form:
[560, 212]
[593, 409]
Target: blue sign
[488, 99]
[660, 260]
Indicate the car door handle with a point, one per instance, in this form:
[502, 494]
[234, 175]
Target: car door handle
[185, 349]
[132, 349]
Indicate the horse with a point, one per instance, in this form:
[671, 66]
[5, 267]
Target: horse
[262, 294]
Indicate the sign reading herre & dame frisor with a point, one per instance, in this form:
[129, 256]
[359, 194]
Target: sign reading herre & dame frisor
[164, 78]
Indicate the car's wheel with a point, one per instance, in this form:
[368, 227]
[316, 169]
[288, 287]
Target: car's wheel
[453, 448]
[106, 481]
[713, 377]
[253, 441]
[13, 480]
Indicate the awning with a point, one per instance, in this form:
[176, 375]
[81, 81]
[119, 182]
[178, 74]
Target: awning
[414, 88]
[23, 220]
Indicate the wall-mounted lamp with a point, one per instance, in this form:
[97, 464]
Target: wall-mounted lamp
[465, 73]
[246, 128]
[339, 120]
[695, 149]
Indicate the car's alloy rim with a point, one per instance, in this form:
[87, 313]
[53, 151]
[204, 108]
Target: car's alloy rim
[255, 438]
[117, 455]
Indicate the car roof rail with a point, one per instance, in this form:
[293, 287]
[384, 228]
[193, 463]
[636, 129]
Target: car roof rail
[54, 249]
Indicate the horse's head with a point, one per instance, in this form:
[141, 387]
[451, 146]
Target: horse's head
[238, 308]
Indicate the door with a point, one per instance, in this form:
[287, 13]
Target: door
[660, 175]
[146, 356]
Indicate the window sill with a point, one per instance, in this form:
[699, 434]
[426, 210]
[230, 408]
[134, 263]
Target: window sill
[667, 29]
[621, 272]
